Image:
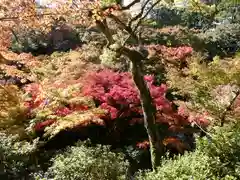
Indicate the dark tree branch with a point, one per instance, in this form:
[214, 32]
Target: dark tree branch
[136, 58]
[125, 27]
[15, 35]
[139, 15]
[149, 109]
[122, 7]
[103, 27]
[140, 20]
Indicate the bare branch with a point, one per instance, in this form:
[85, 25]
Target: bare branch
[103, 26]
[139, 15]
[130, 5]
[14, 34]
[140, 20]
[122, 7]
[124, 26]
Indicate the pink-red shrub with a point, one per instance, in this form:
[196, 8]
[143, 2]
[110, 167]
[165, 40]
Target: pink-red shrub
[117, 93]
[36, 99]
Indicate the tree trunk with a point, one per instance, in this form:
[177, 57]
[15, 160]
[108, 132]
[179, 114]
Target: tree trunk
[149, 110]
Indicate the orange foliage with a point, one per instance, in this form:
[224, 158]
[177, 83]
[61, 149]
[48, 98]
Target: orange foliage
[174, 142]
[24, 14]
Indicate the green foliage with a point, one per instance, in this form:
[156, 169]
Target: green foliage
[174, 16]
[217, 85]
[93, 163]
[68, 66]
[92, 35]
[224, 151]
[173, 36]
[16, 160]
[212, 87]
[109, 2]
[91, 52]
[224, 40]
[193, 165]
[109, 58]
[29, 41]
[61, 38]
[218, 158]
[228, 10]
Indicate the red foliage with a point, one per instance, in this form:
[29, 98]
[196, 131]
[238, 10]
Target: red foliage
[117, 93]
[143, 145]
[41, 125]
[80, 107]
[35, 98]
[176, 143]
[63, 111]
[171, 142]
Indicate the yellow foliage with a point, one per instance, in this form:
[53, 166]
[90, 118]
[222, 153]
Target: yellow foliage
[11, 111]
[75, 120]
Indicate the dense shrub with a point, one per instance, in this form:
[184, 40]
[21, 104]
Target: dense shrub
[91, 52]
[60, 38]
[211, 86]
[61, 109]
[113, 110]
[12, 115]
[92, 35]
[173, 36]
[165, 16]
[228, 12]
[16, 157]
[222, 40]
[218, 158]
[117, 93]
[193, 165]
[93, 163]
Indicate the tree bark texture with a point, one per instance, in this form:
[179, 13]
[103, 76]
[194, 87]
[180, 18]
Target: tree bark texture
[149, 109]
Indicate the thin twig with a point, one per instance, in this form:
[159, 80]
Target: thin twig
[140, 20]
[122, 7]
[124, 26]
[139, 14]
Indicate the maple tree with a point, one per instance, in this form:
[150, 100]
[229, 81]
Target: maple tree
[27, 15]
[136, 57]
[117, 93]
[24, 14]
[118, 96]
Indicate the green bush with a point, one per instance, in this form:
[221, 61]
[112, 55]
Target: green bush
[82, 162]
[224, 151]
[166, 16]
[217, 157]
[223, 40]
[16, 158]
[60, 38]
[29, 41]
[193, 165]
